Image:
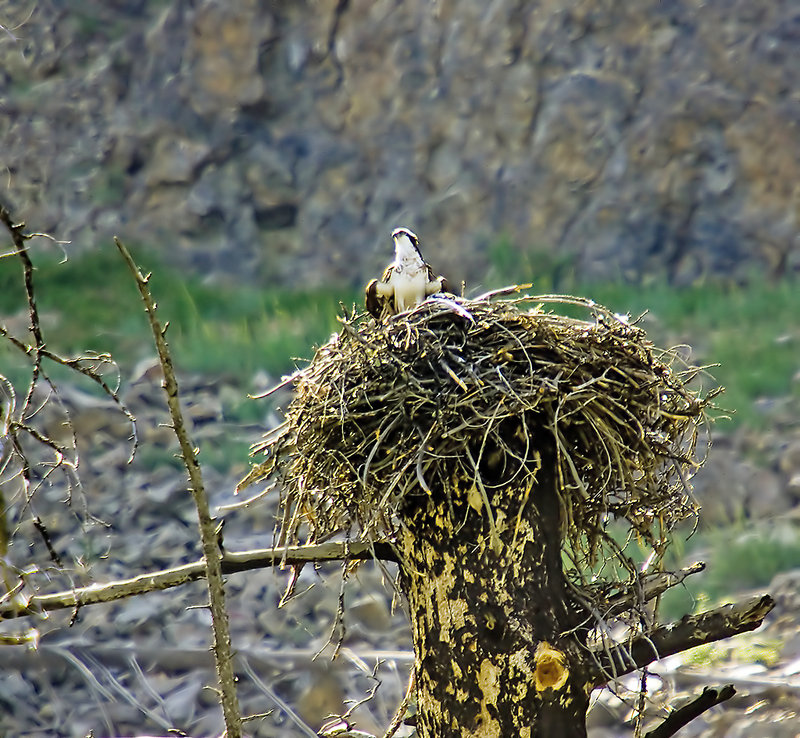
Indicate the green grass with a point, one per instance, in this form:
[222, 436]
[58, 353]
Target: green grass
[90, 303]
[752, 332]
[743, 556]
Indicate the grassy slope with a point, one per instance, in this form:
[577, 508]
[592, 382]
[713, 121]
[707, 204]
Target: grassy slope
[751, 333]
[91, 303]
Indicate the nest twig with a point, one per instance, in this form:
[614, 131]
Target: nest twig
[386, 411]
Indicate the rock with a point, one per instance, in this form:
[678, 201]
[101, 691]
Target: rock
[646, 141]
[604, 714]
[720, 489]
[767, 494]
[222, 55]
[156, 648]
[371, 612]
[789, 459]
[175, 161]
[793, 489]
[321, 698]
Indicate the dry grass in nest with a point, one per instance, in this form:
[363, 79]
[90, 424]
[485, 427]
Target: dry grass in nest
[391, 410]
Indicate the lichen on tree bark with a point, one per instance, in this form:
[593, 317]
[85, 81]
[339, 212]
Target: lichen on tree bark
[500, 642]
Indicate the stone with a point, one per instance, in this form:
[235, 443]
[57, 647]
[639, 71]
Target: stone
[653, 140]
[789, 459]
[767, 495]
[371, 612]
[321, 698]
[175, 160]
[222, 54]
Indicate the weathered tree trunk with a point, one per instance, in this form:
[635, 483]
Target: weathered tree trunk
[499, 640]
[439, 427]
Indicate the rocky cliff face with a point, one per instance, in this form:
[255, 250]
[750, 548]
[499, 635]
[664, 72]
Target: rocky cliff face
[282, 140]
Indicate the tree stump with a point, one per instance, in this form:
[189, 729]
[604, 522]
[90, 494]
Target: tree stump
[499, 638]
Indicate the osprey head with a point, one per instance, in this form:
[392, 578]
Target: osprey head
[406, 245]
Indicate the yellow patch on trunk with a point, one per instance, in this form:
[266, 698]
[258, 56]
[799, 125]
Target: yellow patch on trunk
[551, 670]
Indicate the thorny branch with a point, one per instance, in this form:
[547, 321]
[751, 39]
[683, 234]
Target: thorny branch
[600, 427]
[13, 416]
[212, 555]
[19, 238]
[87, 365]
[666, 640]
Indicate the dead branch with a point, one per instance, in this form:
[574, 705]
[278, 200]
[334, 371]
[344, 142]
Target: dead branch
[172, 659]
[710, 697]
[660, 583]
[212, 555]
[12, 425]
[78, 364]
[688, 632]
[19, 238]
[232, 562]
[16, 414]
[386, 409]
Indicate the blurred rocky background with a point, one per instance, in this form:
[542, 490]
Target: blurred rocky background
[275, 144]
[281, 141]
[143, 666]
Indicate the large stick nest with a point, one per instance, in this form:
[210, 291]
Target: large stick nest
[389, 411]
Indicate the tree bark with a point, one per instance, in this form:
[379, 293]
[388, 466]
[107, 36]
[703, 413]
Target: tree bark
[499, 640]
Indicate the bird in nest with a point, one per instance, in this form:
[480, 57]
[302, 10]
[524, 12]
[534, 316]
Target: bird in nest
[407, 281]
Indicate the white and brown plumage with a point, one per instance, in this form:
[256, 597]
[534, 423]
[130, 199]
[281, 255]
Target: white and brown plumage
[406, 282]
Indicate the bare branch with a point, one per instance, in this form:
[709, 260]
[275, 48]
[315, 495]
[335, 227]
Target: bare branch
[653, 588]
[688, 632]
[710, 697]
[16, 415]
[78, 364]
[211, 550]
[19, 238]
[232, 562]
[284, 706]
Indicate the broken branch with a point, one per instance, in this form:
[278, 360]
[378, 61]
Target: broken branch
[710, 697]
[688, 632]
[212, 556]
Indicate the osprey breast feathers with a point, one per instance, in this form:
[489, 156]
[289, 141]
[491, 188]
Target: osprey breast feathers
[406, 282]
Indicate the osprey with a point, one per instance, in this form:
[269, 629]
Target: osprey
[406, 282]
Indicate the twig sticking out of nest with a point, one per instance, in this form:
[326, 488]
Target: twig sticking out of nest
[389, 411]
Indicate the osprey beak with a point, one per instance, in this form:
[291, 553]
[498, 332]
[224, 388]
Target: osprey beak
[405, 231]
[406, 243]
